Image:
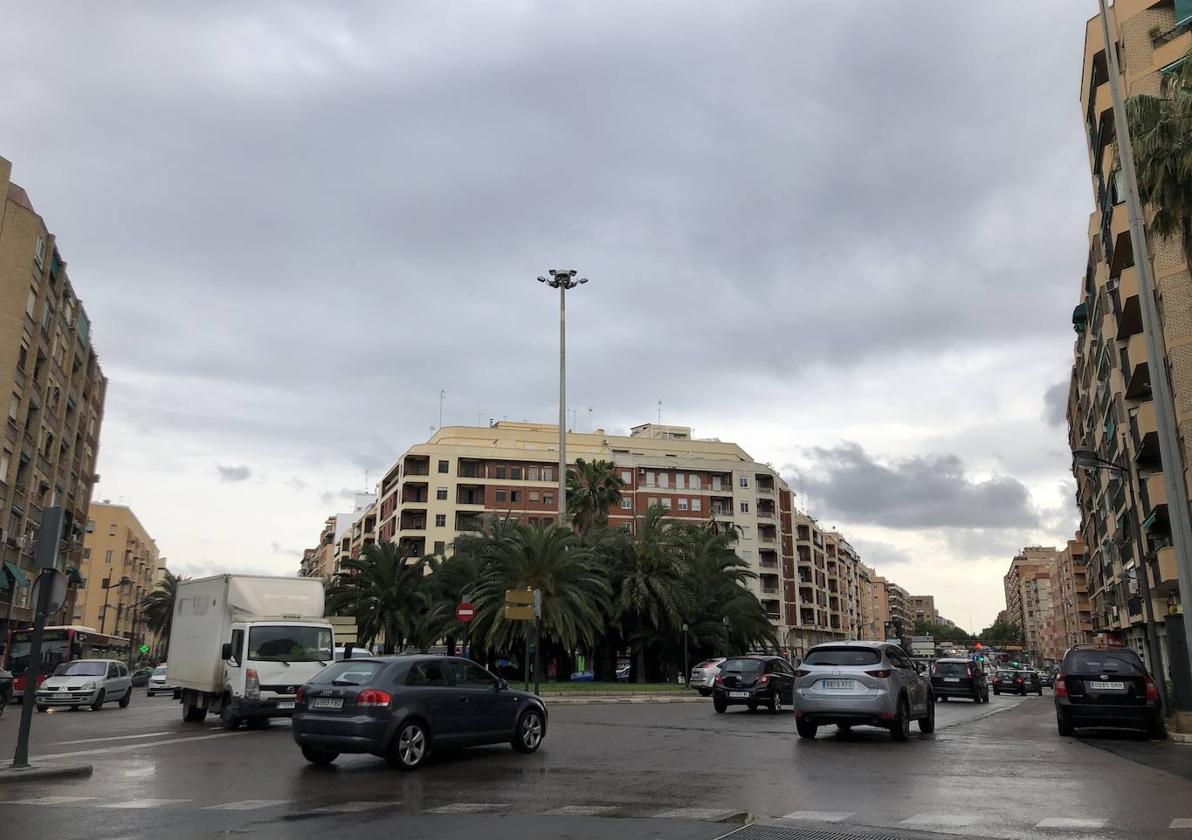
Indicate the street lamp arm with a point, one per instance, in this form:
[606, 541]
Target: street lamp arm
[1089, 459]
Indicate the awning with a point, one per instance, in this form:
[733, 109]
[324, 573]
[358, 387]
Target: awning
[14, 572]
[73, 576]
[1183, 12]
[1080, 317]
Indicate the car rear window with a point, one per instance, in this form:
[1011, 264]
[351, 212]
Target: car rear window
[950, 669]
[742, 666]
[348, 671]
[708, 664]
[1104, 661]
[844, 656]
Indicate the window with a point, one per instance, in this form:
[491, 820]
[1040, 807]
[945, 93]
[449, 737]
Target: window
[696, 504]
[680, 481]
[747, 556]
[682, 504]
[843, 656]
[443, 466]
[441, 494]
[716, 482]
[470, 675]
[427, 673]
[502, 494]
[440, 546]
[515, 473]
[86, 554]
[693, 481]
[440, 520]
[626, 504]
[107, 558]
[500, 470]
[666, 503]
[743, 481]
[112, 530]
[47, 316]
[744, 507]
[548, 499]
[653, 500]
[22, 357]
[31, 303]
[651, 479]
[534, 496]
[626, 477]
[663, 480]
[515, 496]
[744, 529]
[531, 474]
[548, 474]
[14, 407]
[39, 252]
[5, 459]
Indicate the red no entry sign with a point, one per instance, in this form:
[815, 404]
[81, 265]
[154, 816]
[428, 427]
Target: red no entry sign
[465, 612]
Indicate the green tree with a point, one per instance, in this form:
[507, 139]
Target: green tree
[158, 607]
[1161, 136]
[593, 488]
[387, 593]
[1003, 632]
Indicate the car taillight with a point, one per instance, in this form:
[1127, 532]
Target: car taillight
[1018, 679]
[252, 685]
[18, 683]
[373, 698]
[801, 672]
[1152, 690]
[719, 680]
[1060, 689]
[881, 675]
[996, 680]
[300, 694]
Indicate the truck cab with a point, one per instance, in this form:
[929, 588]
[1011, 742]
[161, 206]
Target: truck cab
[265, 662]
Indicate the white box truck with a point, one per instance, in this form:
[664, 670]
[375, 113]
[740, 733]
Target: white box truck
[242, 645]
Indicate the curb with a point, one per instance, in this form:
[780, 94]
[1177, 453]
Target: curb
[1179, 737]
[563, 700]
[35, 772]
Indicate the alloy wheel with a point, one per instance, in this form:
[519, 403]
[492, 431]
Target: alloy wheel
[531, 731]
[411, 745]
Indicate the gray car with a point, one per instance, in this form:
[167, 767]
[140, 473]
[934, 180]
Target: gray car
[862, 684]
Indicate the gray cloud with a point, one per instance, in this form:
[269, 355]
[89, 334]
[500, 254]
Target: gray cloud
[930, 491]
[1055, 404]
[880, 554]
[239, 473]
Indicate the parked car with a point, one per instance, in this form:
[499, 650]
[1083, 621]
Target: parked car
[862, 683]
[357, 652]
[754, 681]
[403, 707]
[140, 677]
[159, 681]
[1107, 686]
[5, 689]
[86, 682]
[959, 678]
[703, 676]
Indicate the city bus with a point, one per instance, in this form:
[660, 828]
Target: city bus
[60, 643]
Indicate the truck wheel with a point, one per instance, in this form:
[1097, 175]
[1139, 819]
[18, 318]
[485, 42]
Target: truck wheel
[229, 720]
[192, 712]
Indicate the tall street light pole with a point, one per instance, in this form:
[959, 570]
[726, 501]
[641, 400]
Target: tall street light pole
[563, 279]
[1165, 422]
[1090, 460]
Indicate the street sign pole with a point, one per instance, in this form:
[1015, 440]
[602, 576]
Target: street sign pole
[537, 640]
[47, 555]
[526, 658]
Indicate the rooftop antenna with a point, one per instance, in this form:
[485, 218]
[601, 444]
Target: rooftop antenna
[589, 419]
[660, 412]
[366, 481]
[442, 393]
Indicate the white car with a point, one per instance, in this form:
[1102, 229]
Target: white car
[86, 682]
[158, 682]
[703, 676]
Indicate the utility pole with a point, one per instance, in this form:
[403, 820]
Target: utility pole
[1152, 334]
[563, 279]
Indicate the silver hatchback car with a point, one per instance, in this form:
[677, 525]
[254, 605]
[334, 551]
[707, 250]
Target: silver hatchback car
[862, 684]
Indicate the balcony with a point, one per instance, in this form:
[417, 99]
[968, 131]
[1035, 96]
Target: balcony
[1165, 575]
[773, 608]
[470, 469]
[414, 492]
[469, 495]
[468, 521]
[1130, 318]
[417, 465]
[413, 520]
[1138, 375]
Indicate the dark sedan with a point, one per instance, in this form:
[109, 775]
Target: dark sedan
[1010, 682]
[754, 681]
[402, 707]
[959, 678]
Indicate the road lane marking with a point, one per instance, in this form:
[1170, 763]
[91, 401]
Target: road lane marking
[581, 811]
[51, 800]
[143, 804]
[351, 807]
[819, 816]
[1181, 822]
[248, 805]
[1070, 822]
[709, 814]
[940, 820]
[108, 738]
[468, 808]
[127, 747]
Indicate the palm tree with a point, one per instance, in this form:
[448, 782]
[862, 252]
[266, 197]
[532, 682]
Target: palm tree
[593, 488]
[387, 593]
[158, 607]
[1161, 136]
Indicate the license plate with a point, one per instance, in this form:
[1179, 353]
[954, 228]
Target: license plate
[285, 704]
[739, 694]
[837, 684]
[952, 679]
[1107, 686]
[327, 703]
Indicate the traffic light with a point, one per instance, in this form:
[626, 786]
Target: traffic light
[144, 649]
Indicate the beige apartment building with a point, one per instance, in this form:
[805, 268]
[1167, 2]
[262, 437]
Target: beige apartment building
[121, 565]
[922, 608]
[1074, 613]
[1110, 409]
[1029, 597]
[53, 394]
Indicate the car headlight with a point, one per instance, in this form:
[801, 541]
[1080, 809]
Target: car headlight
[87, 687]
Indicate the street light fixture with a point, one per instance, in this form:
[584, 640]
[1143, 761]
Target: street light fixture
[1088, 459]
[563, 279]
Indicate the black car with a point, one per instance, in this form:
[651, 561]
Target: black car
[754, 681]
[402, 707]
[5, 689]
[1048, 679]
[1032, 681]
[1107, 686]
[959, 678]
[140, 677]
[1015, 682]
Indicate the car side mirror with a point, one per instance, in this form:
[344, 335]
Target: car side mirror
[502, 685]
[226, 652]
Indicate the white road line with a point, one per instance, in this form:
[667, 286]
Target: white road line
[819, 816]
[51, 800]
[468, 808]
[109, 738]
[351, 807]
[940, 820]
[143, 804]
[1070, 822]
[127, 747]
[248, 805]
[1181, 822]
[582, 810]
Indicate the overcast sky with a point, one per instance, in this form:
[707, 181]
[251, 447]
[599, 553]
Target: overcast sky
[846, 235]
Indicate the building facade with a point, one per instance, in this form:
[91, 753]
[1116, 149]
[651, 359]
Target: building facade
[922, 608]
[1110, 409]
[53, 391]
[1030, 601]
[121, 565]
[1072, 596]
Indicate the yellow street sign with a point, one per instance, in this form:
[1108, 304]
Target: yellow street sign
[519, 596]
[519, 613]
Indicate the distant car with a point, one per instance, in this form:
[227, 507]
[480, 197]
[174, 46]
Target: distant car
[159, 681]
[140, 677]
[1047, 679]
[959, 678]
[754, 681]
[703, 676]
[862, 684]
[1032, 682]
[86, 682]
[1107, 686]
[357, 652]
[1008, 681]
[5, 689]
[402, 707]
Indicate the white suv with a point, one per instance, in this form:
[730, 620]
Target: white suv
[86, 682]
[703, 676]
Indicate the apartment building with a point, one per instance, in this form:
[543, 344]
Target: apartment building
[53, 390]
[868, 623]
[922, 608]
[343, 536]
[121, 565]
[1110, 409]
[1029, 597]
[1073, 611]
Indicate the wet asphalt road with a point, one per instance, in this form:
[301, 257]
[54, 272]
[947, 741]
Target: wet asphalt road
[626, 771]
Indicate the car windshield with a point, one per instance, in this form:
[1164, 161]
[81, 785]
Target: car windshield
[742, 666]
[950, 669]
[1104, 662]
[843, 656]
[81, 669]
[1006, 675]
[159, 671]
[289, 644]
[348, 672]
